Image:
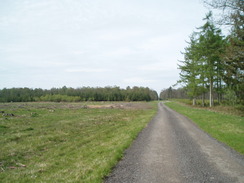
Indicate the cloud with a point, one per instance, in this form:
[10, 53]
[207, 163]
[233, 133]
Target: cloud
[157, 66]
[92, 70]
[94, 43]
[138, 80]
[123, 52]
[121, 34]
[78, 52]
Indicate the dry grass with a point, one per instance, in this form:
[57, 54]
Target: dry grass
[67, 142]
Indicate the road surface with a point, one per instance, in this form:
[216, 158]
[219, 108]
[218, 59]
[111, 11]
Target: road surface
[172, 149]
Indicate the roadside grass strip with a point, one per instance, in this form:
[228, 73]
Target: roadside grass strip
[47, 142]
[226, 128]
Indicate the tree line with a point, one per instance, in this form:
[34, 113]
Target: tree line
[182, 93]
[171, 93]
[214, 64]
[69, 94]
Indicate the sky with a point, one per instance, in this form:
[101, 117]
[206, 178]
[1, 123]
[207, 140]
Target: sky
[95, 43]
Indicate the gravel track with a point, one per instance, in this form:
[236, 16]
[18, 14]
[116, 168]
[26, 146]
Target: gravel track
[173, 149]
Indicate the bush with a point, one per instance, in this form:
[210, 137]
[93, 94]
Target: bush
[231, 97]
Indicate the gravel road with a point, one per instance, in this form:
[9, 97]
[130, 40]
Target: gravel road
[172, 149]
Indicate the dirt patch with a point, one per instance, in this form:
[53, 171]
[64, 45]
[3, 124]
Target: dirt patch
[51, 106]
[124, 105]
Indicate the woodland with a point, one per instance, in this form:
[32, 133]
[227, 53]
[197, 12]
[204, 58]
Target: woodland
[213, 65]
[68, 94]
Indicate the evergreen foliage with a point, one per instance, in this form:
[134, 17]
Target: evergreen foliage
[202, 67]
[214, 64]
[170, 93]
[65, 94]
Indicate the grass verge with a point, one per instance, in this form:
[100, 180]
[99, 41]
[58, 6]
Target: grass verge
[55, 142]
[222, 108]
[226, 128]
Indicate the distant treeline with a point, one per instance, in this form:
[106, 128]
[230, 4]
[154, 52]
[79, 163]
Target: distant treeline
[171, 93]
[68, 94]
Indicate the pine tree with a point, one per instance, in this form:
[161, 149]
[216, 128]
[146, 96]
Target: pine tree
[233, 58]
[211, 46]
[203, 65]
[191, 69]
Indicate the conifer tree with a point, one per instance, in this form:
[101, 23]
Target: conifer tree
[233, 58]
[202, 66]
[190, 69]
[211, 44]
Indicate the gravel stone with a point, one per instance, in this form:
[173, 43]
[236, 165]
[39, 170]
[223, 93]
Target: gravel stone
[173, 149]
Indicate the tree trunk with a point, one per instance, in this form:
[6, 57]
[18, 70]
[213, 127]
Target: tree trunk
[211, 93]
[194, 101]
[203, 99]
[220, 88]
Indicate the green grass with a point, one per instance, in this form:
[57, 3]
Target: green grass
[226, 128]
[222, 108]
[57, 142]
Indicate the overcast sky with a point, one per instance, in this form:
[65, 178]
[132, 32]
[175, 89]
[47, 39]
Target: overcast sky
[52, 43]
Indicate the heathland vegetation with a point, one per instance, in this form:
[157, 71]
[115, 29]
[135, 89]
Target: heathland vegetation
[213, 65]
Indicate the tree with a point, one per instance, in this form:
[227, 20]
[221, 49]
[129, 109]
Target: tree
[211, 44]
[179, 93]
[232, 11]
[233, 58]
[191, 69]
[65, 94]
[202, 66]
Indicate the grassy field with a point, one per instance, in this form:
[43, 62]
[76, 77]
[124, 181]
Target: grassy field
[67, 142]
[226, 128]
